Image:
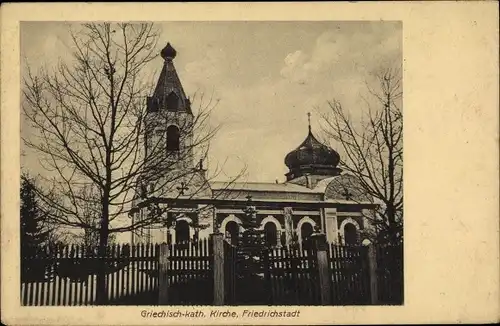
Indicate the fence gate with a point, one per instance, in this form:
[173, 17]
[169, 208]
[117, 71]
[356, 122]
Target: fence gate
[294, 276]
[242, 286]
[285, 276]
[190, 273]
[350, 275]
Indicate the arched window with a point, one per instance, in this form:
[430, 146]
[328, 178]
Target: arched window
[172, 102]
[271, 233]
[306, 230]
[350, 234]
[181, 231]
[232, 232]
[173, 136]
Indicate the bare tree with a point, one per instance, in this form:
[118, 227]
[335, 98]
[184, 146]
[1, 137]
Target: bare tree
[373, 151]
[91, 129]
[90, 212]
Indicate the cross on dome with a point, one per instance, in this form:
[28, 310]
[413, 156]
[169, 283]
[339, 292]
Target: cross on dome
[182, 188]
[347, 194]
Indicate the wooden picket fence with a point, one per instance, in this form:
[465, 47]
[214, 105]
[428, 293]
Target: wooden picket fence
[350, 274]
[67, 275]
[186, 273]
[287, 276]
[190, 273]
[390, 274]
[290, 276]
[293, 276]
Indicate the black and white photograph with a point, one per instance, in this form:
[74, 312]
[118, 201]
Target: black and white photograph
[211, 163]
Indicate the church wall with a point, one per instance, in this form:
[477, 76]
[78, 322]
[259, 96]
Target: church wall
[276, 214]
[359, 220]
[158, 235]
[334, 222]
[331, 225]
[277, 217]
[150, 235]
[205, 218]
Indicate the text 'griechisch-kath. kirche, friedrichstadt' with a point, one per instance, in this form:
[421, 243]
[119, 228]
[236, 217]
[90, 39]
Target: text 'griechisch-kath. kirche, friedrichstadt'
[216, 313]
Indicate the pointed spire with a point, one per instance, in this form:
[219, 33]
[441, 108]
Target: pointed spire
[309, 120]
[169, 86]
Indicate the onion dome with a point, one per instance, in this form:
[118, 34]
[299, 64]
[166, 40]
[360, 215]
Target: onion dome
[312, 158]
[168, 52]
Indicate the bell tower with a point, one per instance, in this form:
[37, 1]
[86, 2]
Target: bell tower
[170, 169]
[169, 119]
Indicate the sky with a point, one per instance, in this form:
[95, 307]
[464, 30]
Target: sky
[266, 75]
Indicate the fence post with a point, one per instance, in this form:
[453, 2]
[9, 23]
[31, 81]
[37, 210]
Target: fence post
[325, 282]
[218, 268]
[163, 274]
[372, 266]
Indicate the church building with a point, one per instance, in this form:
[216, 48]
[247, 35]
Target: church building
[316, 196]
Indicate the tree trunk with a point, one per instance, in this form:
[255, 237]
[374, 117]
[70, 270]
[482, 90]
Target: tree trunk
[102, 291]
[392, 228]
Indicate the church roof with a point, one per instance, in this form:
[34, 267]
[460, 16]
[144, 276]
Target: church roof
[331, 190]
[322, 184]
[261, 186]
[169, 80]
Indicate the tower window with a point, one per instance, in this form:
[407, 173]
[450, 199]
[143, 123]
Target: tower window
[172, 102]
[173, 136]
